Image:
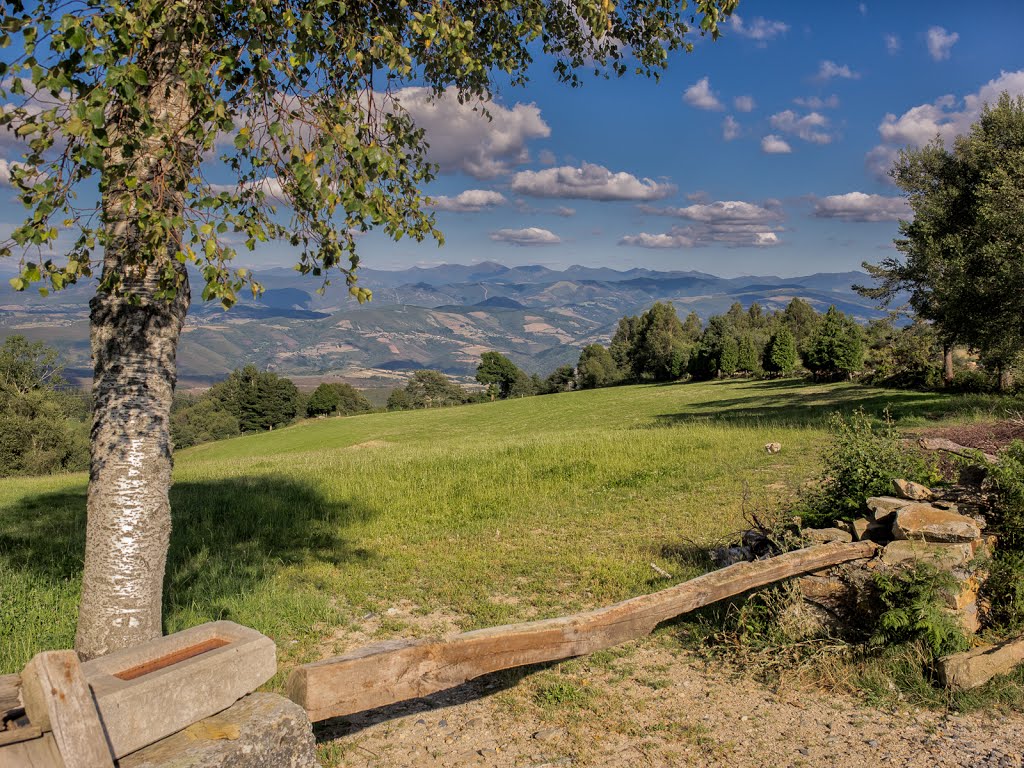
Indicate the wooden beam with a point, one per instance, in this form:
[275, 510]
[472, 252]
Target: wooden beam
[392, 671]
[58, 699]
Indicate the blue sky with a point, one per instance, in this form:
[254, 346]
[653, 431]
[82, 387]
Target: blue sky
[822, 79]
[762, 153]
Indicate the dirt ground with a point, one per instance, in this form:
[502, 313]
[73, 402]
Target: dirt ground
[654, 703]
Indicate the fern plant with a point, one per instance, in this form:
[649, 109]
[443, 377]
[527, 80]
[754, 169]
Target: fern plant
[913, 602]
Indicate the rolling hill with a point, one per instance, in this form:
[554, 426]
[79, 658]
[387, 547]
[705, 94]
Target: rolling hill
[440, 317]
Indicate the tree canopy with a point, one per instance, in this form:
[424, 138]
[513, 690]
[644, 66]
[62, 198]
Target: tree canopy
[961, 252]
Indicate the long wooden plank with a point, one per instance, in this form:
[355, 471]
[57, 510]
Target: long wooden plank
[58, 699]
[385, 673]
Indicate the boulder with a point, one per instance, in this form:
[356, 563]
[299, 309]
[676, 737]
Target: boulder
[940, 555]
[963, 671]
[263, 730]
[929, 523]
[827, 535]
[908, 489]
[882, 507]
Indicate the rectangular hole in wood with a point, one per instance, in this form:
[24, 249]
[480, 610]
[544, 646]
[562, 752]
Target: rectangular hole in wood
[172, 658]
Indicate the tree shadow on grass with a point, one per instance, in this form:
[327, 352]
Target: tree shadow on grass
[782, 402]
[228, 536]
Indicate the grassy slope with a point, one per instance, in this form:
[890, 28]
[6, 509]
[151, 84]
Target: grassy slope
[494, 512]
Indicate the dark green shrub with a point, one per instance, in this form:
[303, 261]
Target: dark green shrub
[1004, 589]
[862, 459]
[972, 382]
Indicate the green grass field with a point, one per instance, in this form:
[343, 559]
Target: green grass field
[489, 513]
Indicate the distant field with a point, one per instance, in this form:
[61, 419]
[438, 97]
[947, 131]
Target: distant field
[486, 513]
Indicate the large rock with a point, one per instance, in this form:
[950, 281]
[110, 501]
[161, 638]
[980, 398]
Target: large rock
[929, 523]
[908, 489]
[945, 556]
[882, 507]
[871, 530]
[970, 669]
[262, 730]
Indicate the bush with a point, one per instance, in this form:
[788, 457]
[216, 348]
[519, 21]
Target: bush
[913, 602]
[972, 382]
[862, 460]
[1004, 589]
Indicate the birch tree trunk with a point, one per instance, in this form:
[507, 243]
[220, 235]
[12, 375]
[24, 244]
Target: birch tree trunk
[134, 334]
[947, 364]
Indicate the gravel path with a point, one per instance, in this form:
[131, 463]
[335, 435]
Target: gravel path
[653, 705]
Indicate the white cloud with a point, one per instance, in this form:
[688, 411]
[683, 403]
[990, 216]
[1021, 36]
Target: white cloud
[940, 42]
[720, 212]
[859, 206]
[690, 237]
[759, 29]
[526, 237]
[816, 102]
[701, 96]
[589, 182]
[863, 9]
[732, 223]
[730, 128]
[829, 70]
[546, 157]
[464, 140]
[775, 145]
[947, 116]
[744, 103]
[470, 201]
[811, 127]
[270, 186]
[564, 211]
[892, 44]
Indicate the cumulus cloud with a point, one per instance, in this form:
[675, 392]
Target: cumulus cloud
[816, 102]
[464, 140]
[829, 70]
[470, 201]
[588, 182]
[859, 206]
[526, 237]
[945, 117]
[701, 96]
[810, 127]
[744, 103]
[759, 29]
[775, 145]
[730, 128]
[940, 42]
[732, 223]
[892, 44]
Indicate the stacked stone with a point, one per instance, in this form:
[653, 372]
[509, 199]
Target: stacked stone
[912, 525]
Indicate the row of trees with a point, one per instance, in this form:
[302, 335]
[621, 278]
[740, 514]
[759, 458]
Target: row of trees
[251, 400]
[658, 346]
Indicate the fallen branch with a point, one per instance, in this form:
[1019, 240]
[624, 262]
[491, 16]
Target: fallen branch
[393, 671]
[942, 444]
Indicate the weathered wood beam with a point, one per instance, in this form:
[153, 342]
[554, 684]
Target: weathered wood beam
[58, 699]
[392, 671]
[942, 444]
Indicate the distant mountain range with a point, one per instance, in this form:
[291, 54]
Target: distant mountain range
[439, 317]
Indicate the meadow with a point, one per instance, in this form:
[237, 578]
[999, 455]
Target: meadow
[486, 513]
